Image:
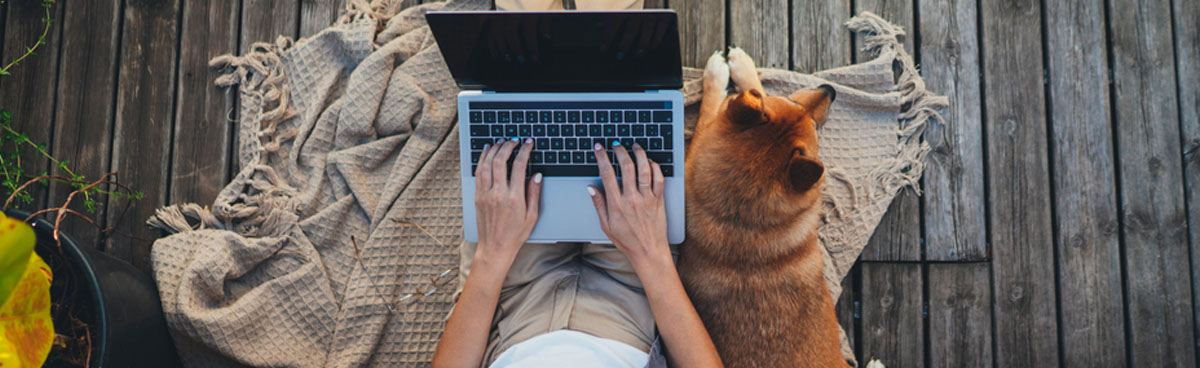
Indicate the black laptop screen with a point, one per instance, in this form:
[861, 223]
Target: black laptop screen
[560, 51]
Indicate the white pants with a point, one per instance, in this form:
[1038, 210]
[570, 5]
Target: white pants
[558, 4]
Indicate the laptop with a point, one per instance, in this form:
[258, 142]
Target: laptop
[567, 79]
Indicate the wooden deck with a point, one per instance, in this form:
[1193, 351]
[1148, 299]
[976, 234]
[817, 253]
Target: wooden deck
[1061, 210]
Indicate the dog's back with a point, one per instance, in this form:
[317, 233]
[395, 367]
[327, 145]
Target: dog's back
[751, 261]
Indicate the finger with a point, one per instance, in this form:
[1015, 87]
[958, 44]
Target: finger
[500, 164]
[534, 199]
[628, 176]
[607, 175]
[519, 164]
[659, 180]
[644, 176]
[483, 172]
[601, 206]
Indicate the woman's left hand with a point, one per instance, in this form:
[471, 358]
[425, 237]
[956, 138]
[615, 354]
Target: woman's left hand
[505, 210]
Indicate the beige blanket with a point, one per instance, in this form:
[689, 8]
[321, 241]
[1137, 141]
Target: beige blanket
[336, 244]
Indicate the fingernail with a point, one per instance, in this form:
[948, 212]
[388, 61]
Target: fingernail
[485, 146]
[616, 143]
[591, 191]
[537, 178]
[596, 146]
[528, 140]
[637, 146]
[514, 139]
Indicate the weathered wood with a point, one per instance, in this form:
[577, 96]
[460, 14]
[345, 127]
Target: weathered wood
[315, 15]
[28, 92]
[819, 41]
[760, 27]
[1187, 54]
[84, 109]
[898, 237]
[1151, 185]
[1019, 185]
[847, 305]
[953, 198]
[200, 160]
[654, 4]
[1084, 187]
[263, 21]
[145, 101]
[893, 329]
[960, 315]
[701, 29]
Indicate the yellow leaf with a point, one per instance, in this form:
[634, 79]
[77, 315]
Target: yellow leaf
[26, 330]
[16, 245]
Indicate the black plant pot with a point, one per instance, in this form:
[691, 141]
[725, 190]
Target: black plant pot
[119, 304]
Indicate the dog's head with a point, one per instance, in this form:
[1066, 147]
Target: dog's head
[757, 159]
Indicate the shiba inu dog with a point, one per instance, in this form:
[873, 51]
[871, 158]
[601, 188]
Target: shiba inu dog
[751, 261]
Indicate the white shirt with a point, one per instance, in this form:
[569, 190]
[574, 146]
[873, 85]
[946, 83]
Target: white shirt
[571, 348]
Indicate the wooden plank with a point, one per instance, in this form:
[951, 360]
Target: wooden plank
[263, 21]
[1151, 185]
[819, 41]
[954, 198]
[654, 4]
[960, 315]
[316, 15]
[701, 29]
[200, 162]
[898, 237]
[1187, 54]
[1019, 185]
[893, 328]
[145, 101]
[28, 92]
[847, 305]
[759, 27]
[1085, 190]
[84, 112]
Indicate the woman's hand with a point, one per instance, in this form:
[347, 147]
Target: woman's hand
[504, 210]
[633, 214]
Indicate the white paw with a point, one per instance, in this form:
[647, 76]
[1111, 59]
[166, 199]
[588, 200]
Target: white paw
[716, 72]
[874, 363]
[741, 67]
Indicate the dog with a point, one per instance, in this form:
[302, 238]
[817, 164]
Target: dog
[751, 262]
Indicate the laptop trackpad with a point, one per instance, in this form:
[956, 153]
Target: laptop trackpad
[567, 213]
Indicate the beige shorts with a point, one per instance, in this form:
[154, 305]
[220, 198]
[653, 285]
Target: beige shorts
[518, 5]
[590, 288]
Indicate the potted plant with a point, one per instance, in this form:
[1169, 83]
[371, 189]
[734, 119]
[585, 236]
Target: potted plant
[102, 311]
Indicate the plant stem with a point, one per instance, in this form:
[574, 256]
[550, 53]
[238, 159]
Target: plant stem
[41, 40]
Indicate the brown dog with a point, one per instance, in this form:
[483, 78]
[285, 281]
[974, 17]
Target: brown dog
[751, 261]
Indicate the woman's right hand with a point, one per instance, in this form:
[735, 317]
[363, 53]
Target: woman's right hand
[504, 210]
[633, 214]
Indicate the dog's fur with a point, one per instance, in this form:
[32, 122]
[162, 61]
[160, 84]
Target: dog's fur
[751, 261]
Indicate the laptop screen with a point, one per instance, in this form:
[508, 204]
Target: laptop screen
[561, 50]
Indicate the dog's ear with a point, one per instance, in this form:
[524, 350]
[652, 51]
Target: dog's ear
[804, 172]
[747, 108]
[815, 101]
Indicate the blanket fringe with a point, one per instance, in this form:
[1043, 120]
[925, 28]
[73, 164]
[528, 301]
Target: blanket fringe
[922, 107]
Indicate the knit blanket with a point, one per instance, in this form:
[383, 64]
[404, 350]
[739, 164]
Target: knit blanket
[337, 243]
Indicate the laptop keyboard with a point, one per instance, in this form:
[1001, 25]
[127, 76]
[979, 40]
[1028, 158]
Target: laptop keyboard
[564, 132]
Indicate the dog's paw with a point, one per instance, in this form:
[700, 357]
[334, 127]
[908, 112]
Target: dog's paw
[741, 67]
[716, 72]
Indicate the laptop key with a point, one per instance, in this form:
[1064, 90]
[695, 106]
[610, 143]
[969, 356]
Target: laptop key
[591, 157]
[656, 143]
[475, 157]
[652, 130]
[594, 130]
[510, 130]
[601, 116]
[585, 143]
[614, 116]
[631, 116]
[544, 117]
[627, 142]
[497, 130]
[581, 130]
[662, 116]
[539, 130]
[502, 117]
[479, 130]
[571, 144]
[550, 158]
[542, 144]
[567, 131]
[667, 170]
[535, 157]
[643, 142]
[556, 143]
[638, 131]
[577, 157]
[623, 130]
[518, 117]
[476, 116]
[661, 157]
[531, 116]
[489, 116]
[560, 116]
[573, 116]
[524, 130]
[477, 143]
[588, 116]
[643, 116]
[609, 131]
[552, 130]
[564, 157]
